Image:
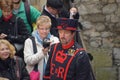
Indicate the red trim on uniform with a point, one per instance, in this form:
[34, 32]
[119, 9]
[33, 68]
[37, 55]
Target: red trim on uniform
[53, 55]
[66, 28]
[68, 65]
[80, 49]
[64, 18]
[46, 77]
[68, 45]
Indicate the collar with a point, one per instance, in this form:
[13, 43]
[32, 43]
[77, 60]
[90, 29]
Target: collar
[71, 43]
[37, 35]
[48, 11]
[13, 18]
[20, 9]
[8, 18]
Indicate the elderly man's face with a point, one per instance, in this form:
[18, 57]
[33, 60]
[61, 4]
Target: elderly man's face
[65, 36]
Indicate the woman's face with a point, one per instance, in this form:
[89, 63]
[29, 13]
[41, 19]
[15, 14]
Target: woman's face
[4, 51]
[43, 30]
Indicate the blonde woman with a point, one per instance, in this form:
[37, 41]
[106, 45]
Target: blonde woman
[11, 67]
[43, 31]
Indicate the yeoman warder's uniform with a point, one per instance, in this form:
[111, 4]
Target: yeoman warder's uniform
[68, 62]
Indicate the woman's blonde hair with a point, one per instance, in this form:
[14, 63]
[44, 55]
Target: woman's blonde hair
[43, 20]
[10, 46]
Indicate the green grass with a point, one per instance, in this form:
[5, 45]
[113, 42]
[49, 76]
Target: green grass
[102, 64]
[101, 58]
[105, 74]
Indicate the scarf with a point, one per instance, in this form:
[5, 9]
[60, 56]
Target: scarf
[7, 18]
[37, 36]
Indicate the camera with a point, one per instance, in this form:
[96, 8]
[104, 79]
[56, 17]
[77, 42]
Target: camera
[46, 42]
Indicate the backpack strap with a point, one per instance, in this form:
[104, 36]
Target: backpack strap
[34, 44]
[27, 11]
[17, 68]
[34, 50]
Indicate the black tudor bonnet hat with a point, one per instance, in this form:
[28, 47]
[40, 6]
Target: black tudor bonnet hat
[67, 24]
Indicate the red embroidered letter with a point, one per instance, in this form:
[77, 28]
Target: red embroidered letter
[52, 69]
[60, 72]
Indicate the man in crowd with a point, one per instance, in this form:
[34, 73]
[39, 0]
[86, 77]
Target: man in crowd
[52, 9]
[55, 9]
[20, 11]
[67, 59]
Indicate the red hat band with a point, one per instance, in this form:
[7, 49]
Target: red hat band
[67, 24]
[66, 28]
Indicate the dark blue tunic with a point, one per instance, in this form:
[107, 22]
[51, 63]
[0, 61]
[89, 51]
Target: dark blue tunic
[68, 62]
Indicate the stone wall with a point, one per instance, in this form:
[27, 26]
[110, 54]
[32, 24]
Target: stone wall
[101, 21]
[101, 25]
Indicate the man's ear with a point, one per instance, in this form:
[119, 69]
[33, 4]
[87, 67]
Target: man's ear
[73, 34]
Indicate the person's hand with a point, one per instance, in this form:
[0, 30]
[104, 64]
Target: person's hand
[73, 11]
[74, 14]
[45, 50]
[2, 35]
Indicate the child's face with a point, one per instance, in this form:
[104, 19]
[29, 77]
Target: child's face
[6, 12]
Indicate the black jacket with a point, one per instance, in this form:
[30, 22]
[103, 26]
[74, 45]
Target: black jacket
[15, 34]
[9, 68]
[53, 29]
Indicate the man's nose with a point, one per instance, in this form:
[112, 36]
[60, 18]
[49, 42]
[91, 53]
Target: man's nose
[62, 34]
